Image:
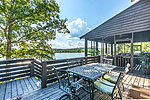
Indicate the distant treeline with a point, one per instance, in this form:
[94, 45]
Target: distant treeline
[68, 50]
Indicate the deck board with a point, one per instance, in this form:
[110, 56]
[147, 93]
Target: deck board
[24, 87]
[8, 90]
[30, 89]
[19, 87]
[14, 89]
[2, 91]
[29, 86]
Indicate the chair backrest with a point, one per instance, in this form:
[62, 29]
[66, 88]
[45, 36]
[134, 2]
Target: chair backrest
[126, 70]
[63, 80]
[74, 62]
[118, 82]
[107, 61]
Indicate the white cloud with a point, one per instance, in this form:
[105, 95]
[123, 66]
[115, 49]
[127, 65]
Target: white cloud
[67, 44]
[79, 44]
[77, 28]
[59, 35]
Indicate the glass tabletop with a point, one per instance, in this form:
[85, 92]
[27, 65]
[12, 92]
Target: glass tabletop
[92, 71]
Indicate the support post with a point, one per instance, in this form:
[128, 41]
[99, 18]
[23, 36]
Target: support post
[86, 49]
[91, 48]
[96, 47]
[105, 48]
[44, 75]
[32, 69]
[99, 59]
[114, 50]
[132, 55]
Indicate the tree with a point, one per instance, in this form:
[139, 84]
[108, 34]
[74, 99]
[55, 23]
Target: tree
[27, 27]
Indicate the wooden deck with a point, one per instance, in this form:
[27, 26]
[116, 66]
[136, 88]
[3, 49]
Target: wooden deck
[14, 89]
[29, 89]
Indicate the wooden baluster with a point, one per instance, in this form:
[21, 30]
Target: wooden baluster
[32, 69]
[44, 75]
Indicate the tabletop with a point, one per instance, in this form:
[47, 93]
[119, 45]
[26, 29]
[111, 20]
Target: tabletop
[92, 71]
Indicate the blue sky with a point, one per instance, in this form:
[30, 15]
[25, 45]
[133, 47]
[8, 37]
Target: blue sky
[84, 15]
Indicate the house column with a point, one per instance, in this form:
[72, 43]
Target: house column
[96, 47]
[132, 55]
[112, 49]
[102, 47]
[105, 48]
[93, 48]
[86, 49]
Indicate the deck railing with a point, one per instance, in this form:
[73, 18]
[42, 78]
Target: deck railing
[37, 68]
[15, 69]
[48, 73]
[140, 64]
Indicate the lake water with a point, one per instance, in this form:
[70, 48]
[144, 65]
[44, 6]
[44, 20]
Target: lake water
[68, 55]
[63, 55]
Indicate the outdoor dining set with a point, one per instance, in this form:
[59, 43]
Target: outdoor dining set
[95, 77]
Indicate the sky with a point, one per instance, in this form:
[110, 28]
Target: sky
[83, 16]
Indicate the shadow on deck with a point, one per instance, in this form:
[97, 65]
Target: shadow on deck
[29, 89]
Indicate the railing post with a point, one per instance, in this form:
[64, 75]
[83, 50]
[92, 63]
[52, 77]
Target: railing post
[85, 60]
[32, 69]
[44, 75]
[99, 59]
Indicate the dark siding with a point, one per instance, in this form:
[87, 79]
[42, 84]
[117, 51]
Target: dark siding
[134, 19]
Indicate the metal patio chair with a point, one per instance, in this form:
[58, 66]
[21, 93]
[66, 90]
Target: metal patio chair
[66, 85]
[74, 63]
[113, 78]
[109, 88]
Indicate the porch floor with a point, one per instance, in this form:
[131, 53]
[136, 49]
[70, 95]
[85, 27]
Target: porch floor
[14, 89]
[29, 89]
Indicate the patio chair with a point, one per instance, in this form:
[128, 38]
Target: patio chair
[109, 88]
[67, 86]
[107, 61]
[74, 63]
[113, 78]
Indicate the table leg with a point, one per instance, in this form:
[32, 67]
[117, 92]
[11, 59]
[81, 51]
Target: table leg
[92, 87]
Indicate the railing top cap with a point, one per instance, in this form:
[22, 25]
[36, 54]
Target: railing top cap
[67, 59]
[15, 60]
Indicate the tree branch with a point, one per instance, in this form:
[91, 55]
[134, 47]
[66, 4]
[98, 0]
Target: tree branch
[1, 27]
[22, 37]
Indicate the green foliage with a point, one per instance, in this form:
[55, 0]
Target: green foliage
[68, 50]
[145, 47]
[91, 51]
[29, 24]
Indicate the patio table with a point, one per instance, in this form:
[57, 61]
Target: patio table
[92, 72]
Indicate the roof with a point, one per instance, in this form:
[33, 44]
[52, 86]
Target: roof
[131, 20]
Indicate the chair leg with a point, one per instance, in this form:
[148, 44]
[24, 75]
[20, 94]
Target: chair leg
[120, 94]
[75, 97]
[64, 96]
[123, 87]
[112, 97]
